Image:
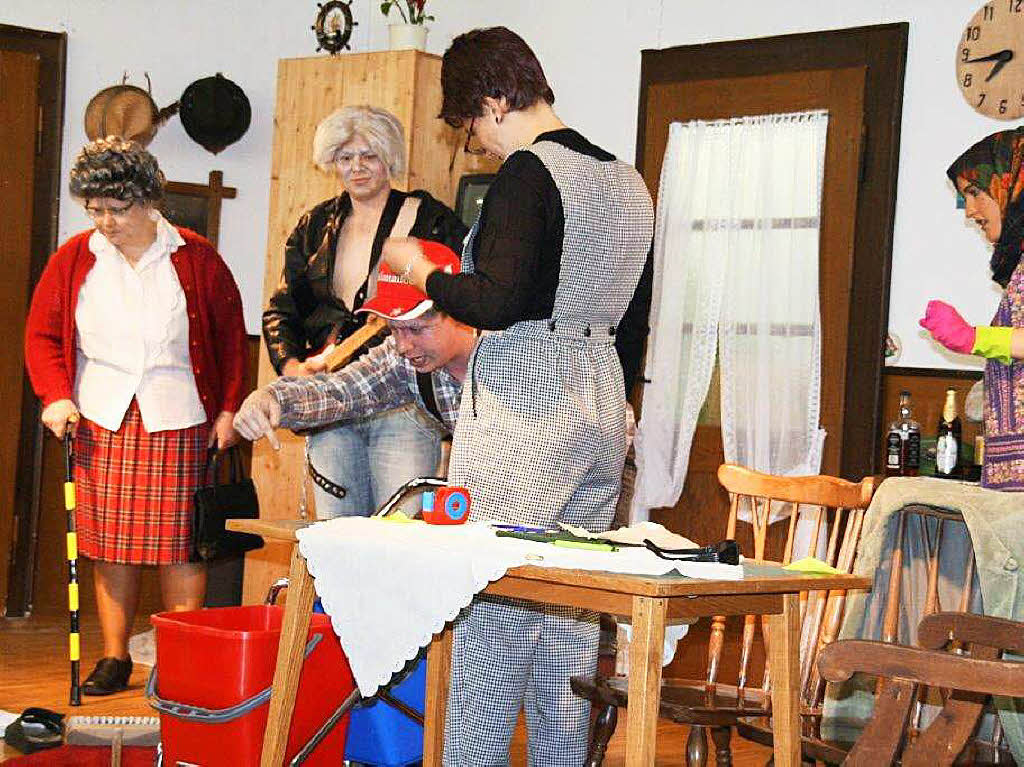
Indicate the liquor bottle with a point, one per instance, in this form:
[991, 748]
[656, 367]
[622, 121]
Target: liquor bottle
[903, 442]
[893, 451]
[973, 474]
[947, 443]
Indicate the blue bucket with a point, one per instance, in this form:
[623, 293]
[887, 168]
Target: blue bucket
[379, 734]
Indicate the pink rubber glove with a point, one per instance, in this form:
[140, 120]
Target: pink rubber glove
[948, 327]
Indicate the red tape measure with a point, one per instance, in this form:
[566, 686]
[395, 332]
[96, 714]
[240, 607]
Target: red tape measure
[446, 506]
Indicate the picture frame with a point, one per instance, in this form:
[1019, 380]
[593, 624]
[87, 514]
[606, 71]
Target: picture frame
[197, 206]
[470, 196]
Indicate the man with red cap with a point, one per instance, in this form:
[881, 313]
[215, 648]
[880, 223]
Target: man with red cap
[423, 361]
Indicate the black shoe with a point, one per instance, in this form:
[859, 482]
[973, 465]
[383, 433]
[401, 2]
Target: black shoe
[110, 676]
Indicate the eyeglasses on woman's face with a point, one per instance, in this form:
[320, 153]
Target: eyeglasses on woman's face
[467, 148]
[347, 160]
[478, 150]
[117, 212]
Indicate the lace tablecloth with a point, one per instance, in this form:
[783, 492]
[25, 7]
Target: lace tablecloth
[389, 587]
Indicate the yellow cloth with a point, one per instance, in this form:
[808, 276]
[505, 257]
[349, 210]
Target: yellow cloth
[399, 516]
[812, 565]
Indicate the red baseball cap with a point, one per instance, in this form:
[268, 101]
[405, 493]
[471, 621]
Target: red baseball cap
[396, 298]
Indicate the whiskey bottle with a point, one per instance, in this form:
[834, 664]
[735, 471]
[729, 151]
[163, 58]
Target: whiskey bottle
[903, 442]
[947, 443]
[893, 451]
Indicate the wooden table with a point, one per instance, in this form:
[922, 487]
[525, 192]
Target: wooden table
[648, 601]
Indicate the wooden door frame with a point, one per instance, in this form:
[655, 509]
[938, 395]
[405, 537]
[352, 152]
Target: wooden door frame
[51, 47]
[882, 50]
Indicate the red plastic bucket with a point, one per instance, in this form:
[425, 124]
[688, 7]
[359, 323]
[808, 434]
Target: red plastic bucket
[218, 658]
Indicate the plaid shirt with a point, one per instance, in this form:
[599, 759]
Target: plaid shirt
[379, 381]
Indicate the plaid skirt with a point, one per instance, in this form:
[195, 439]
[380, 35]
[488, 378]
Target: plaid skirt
[134, 490]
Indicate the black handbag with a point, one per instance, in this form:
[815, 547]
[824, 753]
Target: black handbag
[214, 503]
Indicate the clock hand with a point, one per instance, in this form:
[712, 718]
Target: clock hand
[995, 70]
[1002, 56]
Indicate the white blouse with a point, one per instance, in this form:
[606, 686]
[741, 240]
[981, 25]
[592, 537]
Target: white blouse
[132, 338]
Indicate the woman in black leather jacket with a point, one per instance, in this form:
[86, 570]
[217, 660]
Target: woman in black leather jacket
[330, 269]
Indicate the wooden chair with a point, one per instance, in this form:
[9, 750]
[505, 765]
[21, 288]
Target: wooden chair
[968, 679]
[833, 511]
[932, 528]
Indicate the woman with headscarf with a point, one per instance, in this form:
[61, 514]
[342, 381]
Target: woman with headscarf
[990, 176]
[135, 340]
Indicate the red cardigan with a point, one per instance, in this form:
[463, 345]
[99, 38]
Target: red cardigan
[216, 329]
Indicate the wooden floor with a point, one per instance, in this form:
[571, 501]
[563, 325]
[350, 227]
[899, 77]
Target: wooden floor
[34, 672]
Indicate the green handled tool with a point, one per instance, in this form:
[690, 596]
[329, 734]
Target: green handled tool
[565, 540]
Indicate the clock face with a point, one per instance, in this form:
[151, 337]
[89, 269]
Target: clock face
[990, 60]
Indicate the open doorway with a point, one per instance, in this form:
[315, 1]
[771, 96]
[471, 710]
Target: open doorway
[32, 66]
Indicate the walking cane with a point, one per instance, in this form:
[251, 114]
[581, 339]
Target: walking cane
[74, 640]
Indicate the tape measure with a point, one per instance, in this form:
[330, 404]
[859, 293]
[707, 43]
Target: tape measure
[446, 506]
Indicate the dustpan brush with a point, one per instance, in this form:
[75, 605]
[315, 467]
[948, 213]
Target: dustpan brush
[107, 730]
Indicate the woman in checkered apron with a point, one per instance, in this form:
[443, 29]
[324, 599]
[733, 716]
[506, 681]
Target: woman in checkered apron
[550, 267]
[135, 338]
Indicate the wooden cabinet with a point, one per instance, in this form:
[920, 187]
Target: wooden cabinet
[408, 84]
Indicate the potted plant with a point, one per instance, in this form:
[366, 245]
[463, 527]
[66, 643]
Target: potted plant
[410, 32]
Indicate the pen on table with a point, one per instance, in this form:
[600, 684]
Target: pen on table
[521, 528]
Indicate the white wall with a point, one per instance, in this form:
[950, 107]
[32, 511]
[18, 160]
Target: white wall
[591, 53]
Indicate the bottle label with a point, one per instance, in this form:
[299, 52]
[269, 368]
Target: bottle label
[893, 450]
[913, 449]
[945, 454]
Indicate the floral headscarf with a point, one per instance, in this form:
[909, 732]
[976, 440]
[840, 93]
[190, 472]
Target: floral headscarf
[996, 166]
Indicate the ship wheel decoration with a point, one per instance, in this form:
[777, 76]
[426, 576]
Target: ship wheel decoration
[333, 25]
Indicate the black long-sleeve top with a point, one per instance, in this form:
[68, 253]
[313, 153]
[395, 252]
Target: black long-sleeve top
[303, 314]
[518, 252]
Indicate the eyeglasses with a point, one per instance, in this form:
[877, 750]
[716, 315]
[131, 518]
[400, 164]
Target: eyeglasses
[118, 213]
[469, 137]
[348, 159]
[466, 148]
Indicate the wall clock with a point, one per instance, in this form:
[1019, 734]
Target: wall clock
[333, 26]
[990, 60]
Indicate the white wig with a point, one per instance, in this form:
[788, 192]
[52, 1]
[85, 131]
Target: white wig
[381, 130]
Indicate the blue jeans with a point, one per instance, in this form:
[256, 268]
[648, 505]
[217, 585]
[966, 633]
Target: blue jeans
[371, 458]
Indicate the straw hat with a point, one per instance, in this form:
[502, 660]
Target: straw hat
[126, 111]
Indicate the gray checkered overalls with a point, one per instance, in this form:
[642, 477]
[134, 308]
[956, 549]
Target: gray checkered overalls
[541, 439]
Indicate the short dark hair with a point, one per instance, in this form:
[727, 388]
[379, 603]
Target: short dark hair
[117, 168]
[494, 62]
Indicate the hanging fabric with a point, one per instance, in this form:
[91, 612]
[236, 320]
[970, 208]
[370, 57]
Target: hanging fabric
[735, 272]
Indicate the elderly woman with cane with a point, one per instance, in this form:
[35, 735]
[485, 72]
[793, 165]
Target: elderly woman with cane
[135, 341]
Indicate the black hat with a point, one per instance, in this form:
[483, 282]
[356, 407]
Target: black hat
[215, 112]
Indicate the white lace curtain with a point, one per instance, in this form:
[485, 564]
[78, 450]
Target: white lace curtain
[735, 273]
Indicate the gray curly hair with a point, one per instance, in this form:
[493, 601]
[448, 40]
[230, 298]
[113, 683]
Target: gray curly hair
[117, 168]
[381, 129]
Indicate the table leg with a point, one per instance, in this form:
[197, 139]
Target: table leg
[290, 655]
[784, 655]
[439, 663]
[645, 651]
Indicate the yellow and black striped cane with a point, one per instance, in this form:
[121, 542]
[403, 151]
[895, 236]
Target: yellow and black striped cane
[74, 639]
